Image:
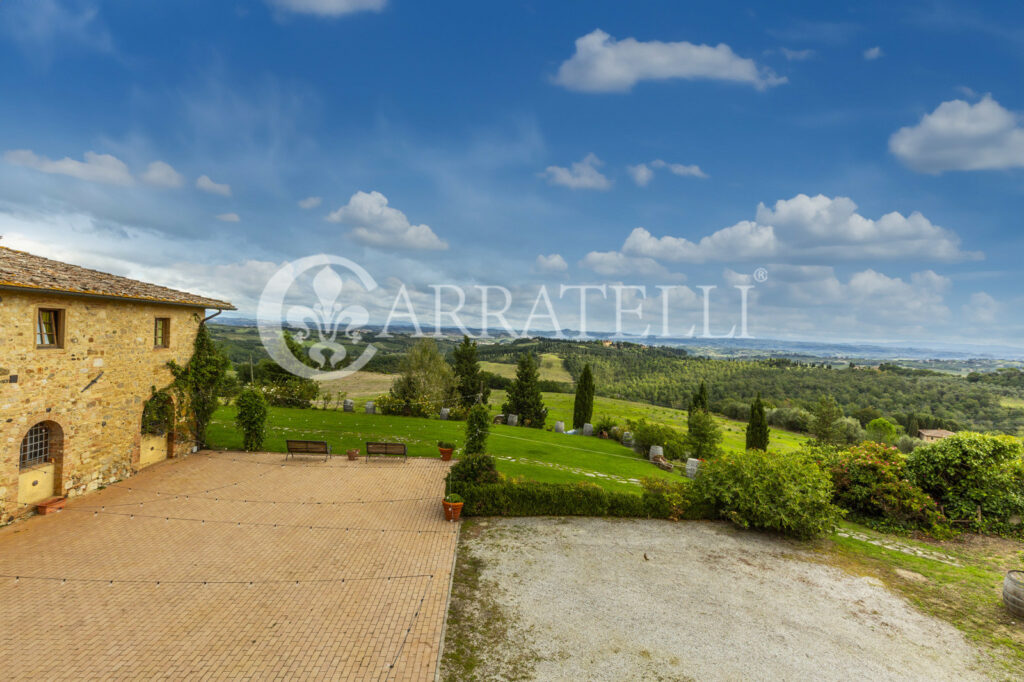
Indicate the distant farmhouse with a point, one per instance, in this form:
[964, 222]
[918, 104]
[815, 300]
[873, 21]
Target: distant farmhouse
[933, 435]
[80, 354]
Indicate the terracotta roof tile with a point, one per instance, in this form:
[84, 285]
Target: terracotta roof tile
[20, 270]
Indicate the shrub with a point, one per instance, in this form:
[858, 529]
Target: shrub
[251, 418]
[478, 425]
[870, 480]
[453, 498]
[783, 492]
[969, 472]
[908, 444]
[158, 414]
[293, 392]
[530, 498]
[605, 423]
[673, 500]
[445, 445]
[473, 469]
[646, 434]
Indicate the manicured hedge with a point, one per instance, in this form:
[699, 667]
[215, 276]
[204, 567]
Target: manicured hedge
[529, 498]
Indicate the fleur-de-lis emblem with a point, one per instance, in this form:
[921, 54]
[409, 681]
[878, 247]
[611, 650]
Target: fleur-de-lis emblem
[327, 318]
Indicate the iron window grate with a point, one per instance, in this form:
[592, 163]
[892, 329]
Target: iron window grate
[35, 448]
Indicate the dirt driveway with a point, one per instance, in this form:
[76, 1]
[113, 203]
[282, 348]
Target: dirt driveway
[595, 599]
[226, 565]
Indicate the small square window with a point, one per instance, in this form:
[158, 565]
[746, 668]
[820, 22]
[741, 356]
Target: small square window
[50, 328]
[162, 332]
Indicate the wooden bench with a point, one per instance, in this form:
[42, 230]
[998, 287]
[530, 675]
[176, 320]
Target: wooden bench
[391, 449]
[308, 447]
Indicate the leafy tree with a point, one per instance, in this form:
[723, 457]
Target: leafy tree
[826, 427]
[881, 430]
[866, 414]
[251, 418]
[703, 437]
[478, 425]
[583, 406]
[427, 382]
[523, 397]
[197, 384]
[757, 427]
[469, 378]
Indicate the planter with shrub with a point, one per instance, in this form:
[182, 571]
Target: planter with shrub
[353, 454]
[452, 507]
[446, 449]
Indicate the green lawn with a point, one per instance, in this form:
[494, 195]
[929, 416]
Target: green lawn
[519, 452]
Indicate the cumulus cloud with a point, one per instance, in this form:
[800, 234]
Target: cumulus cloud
[617, 264]
[580, 175]
[551, 263]
[641, 174]
[207, 185]
[680, 169]
[328, 8]
[806, 227]
[796, 55]
[229, 218]
[873, 53]
[95, 168]
[603, 64]
[162, 175]
[310, 202]
[377, 224]
[962, 136]
[982, 308]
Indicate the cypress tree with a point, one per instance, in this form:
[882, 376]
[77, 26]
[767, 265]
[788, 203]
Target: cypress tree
[524, 398]
[469, 378]
[699, 401]
[583, 407]
[757, 427]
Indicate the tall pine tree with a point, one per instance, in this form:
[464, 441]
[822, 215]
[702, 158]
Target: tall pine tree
[703, 437]
[524, 398]
[757, 427]
[583, 407]
[469, 378]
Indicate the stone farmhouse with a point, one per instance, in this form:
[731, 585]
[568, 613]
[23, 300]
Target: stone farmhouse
[933, 435]
[80, 354]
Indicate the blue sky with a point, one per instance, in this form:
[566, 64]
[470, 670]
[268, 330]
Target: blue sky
[868, 156]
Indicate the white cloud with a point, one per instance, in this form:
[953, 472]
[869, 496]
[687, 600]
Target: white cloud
[581, 175]
[552, 263]
[680, 169]
[796, 55]
[207, 185]
[962, 136]
[873, 53]
[42, 27]
[310, 202]
[982, 308]
[377, 224]
[96, 167]
[641, 174]
[806, 227]
[328, 8]
[229, 218]
[162, 175]
[603, 64]
[616, 264]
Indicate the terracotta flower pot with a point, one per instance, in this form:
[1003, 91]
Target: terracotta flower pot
[452, 510]
[446, 454]
[353, 454]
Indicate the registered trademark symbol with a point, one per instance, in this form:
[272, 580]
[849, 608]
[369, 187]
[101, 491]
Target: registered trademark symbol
[760, 275]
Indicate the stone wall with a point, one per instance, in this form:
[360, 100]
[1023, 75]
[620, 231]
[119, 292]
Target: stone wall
[93, 388]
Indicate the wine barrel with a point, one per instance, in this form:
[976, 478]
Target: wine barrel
[1013, 592]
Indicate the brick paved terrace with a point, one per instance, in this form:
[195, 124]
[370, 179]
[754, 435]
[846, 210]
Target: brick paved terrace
[231, 565]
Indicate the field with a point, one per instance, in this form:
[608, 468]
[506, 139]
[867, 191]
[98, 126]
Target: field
[551, 369]
[733, 432]
[519, 452]
[360, 384]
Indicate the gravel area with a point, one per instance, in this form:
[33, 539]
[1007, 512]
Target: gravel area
[707, 602]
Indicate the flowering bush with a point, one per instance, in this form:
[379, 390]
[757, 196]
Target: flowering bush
[870, 479]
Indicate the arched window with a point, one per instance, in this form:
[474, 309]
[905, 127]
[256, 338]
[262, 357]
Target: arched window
[35, 447]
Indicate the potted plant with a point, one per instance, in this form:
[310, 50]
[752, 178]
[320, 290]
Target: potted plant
[452, 506]
[353, 454]
[446, 449]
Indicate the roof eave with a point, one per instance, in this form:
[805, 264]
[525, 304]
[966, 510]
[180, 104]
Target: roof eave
[205, 305]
